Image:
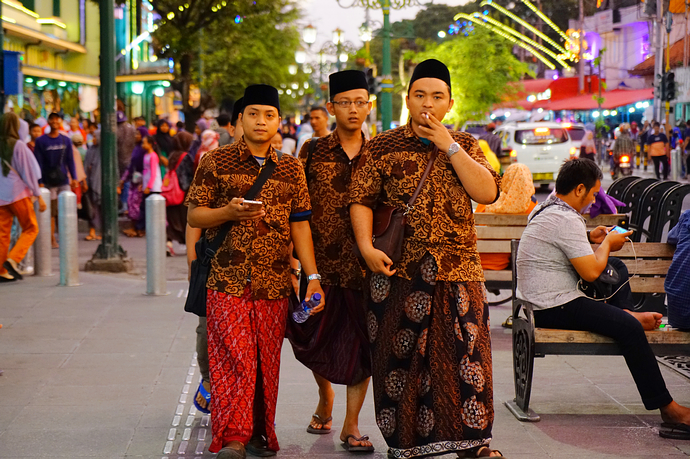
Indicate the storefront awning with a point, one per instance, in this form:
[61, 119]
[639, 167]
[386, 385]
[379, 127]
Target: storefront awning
[612, 99]
[144, 77]
[532, 94]
[39, 72]
[41, 38]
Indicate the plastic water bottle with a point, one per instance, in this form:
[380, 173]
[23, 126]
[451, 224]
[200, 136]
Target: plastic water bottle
[301, 315]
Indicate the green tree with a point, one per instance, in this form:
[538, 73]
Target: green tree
[481, 66]
[189, 29]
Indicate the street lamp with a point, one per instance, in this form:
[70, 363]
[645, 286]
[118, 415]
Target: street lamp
[337, 36]
[300, 56]
[292, 69]
[309, 34]
[387, 83]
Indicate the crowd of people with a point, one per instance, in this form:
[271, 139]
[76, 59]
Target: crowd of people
[405, 309]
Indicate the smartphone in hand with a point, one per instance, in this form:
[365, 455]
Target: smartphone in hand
[252, 206]
[618, 229]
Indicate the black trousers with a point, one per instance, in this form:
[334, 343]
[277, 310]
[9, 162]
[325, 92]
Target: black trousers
[611, 320]
[663, 160]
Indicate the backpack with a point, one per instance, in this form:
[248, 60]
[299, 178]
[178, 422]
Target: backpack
[171, 190]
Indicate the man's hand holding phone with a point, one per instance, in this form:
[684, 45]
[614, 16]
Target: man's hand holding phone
[617, 237]
[239, 210]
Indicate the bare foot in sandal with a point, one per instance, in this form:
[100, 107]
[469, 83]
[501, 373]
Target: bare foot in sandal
[322, 421]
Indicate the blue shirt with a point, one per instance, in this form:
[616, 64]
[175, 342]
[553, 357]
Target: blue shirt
[677, 282]
[55, 152]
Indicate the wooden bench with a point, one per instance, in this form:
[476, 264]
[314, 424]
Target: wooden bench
[647, 276]
[495, 231]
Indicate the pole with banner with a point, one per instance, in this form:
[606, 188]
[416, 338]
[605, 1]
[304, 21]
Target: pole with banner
[109, 256]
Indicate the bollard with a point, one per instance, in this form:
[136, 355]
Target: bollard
[156, 283]
[67, 229]
[675, 164]
[43, 256]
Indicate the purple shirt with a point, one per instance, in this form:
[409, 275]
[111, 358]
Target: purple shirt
[14, 187]
[55, 152]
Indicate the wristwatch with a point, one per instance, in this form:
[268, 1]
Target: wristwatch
[454, 148]
[314, 277]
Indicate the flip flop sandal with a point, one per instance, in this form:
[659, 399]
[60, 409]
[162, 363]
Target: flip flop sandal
[357, 449]
[323, 422]
[207, 396]
[482, 451]
[258, 446]
[675, 431]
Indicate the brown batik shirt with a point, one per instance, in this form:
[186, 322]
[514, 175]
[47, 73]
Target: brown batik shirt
[328, 178]
[442, 222]
[254, 250]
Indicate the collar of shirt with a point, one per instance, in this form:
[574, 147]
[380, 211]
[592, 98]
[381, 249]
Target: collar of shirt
[334, 143]
[245, 153]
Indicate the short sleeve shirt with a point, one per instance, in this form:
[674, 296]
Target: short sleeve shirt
[254, 251]
[442, 221]
[657, 144]
[328, 178]
[545, 275]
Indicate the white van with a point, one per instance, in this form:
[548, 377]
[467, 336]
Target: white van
[541, 146]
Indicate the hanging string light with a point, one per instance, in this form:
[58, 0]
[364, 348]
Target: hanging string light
[510, 38]
[546, 19]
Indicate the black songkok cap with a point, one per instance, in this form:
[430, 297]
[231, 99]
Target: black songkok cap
[236, 110]
[261, 94]
[431, 68]
[347, 80]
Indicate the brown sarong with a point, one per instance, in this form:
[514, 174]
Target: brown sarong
[431, 351]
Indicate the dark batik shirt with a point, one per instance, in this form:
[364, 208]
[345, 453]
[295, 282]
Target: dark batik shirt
[442, 222]
[328, 178]
[256, 249]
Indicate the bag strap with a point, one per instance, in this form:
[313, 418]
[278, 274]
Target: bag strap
[259, 183]
[429, 166]
[179, 161]
[312, 147]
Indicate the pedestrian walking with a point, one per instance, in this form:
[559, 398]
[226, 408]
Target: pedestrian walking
[34, 133]
[92, 167]
[588, 148]
[249, 283]
[334, 344]
[428, 318]
[180, 168]
[132, 179]
[18, 187]
[225, 130]
[209, 141]
[55, 157]
[152, 182]
[659, 151]
[163, 142]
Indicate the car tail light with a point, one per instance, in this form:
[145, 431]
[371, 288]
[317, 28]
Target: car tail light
[567, 125]
[573, 151]
[513, 156]
[625, 159]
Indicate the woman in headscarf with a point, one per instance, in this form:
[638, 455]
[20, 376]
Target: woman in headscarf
[517, 197]
[201, 126]
[183, 165]
[588, 148]
[19, 175]
[209, 141]
[164, 142]
[135, 196]
[92, 166]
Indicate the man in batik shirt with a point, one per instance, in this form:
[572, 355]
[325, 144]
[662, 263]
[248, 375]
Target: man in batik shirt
[334, 344]
[249, 282]
[428, 318]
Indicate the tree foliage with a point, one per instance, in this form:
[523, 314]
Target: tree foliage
[481, 66]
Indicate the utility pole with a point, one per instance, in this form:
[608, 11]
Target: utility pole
[109, 256]
[580, 59]
[387, 83]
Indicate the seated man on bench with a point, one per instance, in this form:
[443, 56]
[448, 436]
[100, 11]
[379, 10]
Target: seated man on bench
[555, 252]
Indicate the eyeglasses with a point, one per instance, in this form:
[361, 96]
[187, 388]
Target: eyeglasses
[347, 103]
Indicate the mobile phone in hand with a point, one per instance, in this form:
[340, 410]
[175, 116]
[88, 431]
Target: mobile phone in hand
[618, 229]
[253, 206]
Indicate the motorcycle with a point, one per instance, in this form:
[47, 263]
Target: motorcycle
[624, 165]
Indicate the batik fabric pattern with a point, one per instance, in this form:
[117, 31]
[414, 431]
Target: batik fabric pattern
[243, 333]
[253, 249]
[328, 179]
[431, 348]
[442, 221]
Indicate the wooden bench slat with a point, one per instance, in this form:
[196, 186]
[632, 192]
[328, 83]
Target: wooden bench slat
[489, 246]
[500, 232]
[502, 275]
[485, 218]
[647, 284]
[548, 335]
[659, 267]
[643, 249]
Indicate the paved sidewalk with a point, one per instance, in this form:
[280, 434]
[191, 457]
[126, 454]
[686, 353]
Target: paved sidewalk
[103, 371]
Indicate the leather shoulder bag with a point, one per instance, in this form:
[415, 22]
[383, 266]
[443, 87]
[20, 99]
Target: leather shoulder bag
[388, 229]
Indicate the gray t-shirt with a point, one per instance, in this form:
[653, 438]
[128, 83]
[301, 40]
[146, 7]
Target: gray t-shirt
[545, 275]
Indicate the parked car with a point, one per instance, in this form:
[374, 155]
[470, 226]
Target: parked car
[540, 146]
[576, 133]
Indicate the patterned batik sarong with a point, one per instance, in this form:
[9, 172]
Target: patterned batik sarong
[334, 342]
[431, 351]
[241, 334]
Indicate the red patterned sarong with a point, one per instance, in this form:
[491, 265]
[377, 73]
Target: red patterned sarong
[241, 333]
